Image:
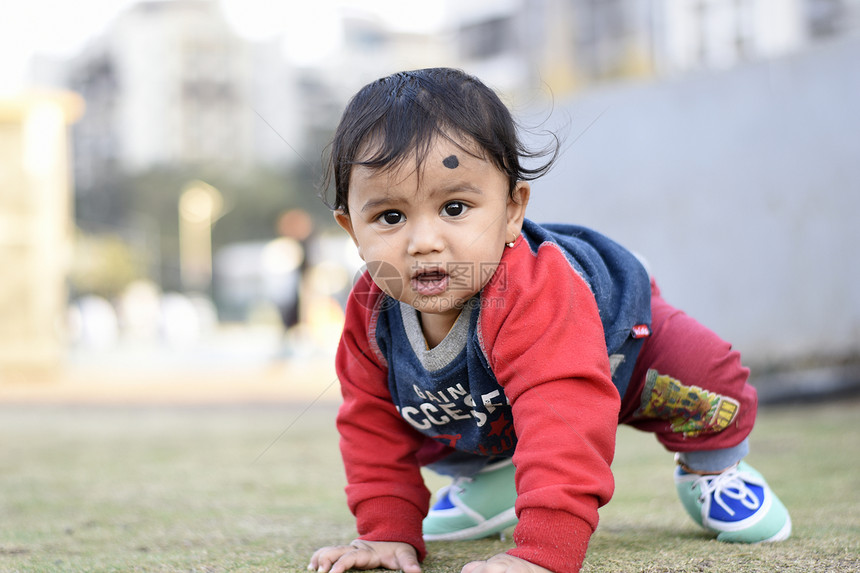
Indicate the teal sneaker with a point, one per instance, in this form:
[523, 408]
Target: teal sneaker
[737, 504]
[475, 507]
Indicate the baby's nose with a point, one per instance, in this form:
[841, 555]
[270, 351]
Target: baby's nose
[425, 237]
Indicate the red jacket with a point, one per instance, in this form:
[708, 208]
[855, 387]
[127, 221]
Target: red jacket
[538, 336]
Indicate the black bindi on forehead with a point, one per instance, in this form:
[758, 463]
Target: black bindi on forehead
[451, 162]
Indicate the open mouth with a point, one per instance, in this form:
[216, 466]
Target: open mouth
[430, 282]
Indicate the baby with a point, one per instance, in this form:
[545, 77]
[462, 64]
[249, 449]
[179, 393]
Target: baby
[503, 353]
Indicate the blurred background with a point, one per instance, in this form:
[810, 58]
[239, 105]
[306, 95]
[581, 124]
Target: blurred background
[159, 163]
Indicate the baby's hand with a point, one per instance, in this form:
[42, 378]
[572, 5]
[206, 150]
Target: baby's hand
[366, 555]
[503, 563]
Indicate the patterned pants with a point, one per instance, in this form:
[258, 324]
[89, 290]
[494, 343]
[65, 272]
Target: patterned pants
[689, 387]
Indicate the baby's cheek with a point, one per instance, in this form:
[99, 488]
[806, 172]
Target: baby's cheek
[387, 277]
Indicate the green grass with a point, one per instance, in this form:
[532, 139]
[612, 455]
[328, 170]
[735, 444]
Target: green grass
[215, 489]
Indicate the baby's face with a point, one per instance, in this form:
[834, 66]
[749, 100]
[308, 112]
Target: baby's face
[433, 241]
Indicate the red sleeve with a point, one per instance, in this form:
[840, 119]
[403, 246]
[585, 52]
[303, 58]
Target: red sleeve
[546, 347]
[385, 490]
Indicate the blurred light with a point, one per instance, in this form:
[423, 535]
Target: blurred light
[93, 323]
[180, 322]
[44, 130]
[282, 256]
[139, 308]
[200, 203]
[328, 278]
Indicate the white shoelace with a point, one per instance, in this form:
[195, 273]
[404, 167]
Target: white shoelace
[457, 485]
[729, 484]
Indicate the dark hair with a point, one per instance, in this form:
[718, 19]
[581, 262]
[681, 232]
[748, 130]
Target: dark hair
[394, 116]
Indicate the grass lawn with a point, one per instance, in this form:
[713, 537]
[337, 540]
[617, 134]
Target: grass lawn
[238, 488]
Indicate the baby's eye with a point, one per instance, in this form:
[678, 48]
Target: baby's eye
[454, 209]
[391, 217]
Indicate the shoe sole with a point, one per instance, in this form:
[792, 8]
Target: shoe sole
[780, 535]
[489, 527]
[783, 533]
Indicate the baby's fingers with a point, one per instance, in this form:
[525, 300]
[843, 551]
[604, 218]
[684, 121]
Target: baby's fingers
[478, 567]
[343, 558]
[362, 554]
[324, 558]
[407, 561]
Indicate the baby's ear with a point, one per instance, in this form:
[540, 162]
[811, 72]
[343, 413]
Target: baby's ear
[345, 223]
[517, 203]
[343, 220]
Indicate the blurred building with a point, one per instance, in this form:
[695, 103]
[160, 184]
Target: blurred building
[369, 49]
[35, 226]
[170, 83]
[568, 45]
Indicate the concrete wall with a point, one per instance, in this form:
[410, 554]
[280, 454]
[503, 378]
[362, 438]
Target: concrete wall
[742, 188]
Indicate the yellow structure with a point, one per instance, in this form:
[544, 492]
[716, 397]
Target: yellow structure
[35, 226]
[200, 205]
